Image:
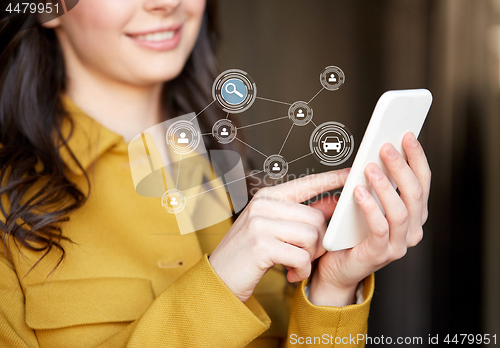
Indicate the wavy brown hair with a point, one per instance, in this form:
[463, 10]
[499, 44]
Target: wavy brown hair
[32, 79]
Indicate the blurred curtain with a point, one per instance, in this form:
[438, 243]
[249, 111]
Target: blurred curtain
[449, 46]
[463, 71]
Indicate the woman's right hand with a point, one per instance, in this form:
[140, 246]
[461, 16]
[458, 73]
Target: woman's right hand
[275, 228]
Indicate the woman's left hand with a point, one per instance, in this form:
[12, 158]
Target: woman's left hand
[338, 272]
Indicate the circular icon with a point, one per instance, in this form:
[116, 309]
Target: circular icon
[224, 131]
[174, 201]
[300, 113]
[183, 137]
[332, 78]
[275, 166]
[332, 143]
[234, 90]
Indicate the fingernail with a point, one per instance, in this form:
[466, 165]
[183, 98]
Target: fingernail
[413, 140]
[391, 152]
[376, 172]
[359, 194]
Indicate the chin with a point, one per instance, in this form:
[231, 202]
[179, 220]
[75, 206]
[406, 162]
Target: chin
[160, 75]
[166, 69]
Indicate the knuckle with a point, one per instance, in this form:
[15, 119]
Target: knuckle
[318, 217]
[381, 258]
[258, 245]
[312, 178]
[418, 193]
[400, 252]
[313, 236]
[416, 237]
[370, 206]
[263, 192]
[381, 231]
[384, 183]
[401, 218]
[400, 163]
[425, 216]
[257, 206]
[255, 223]
[303, 258]
[253, 207]
[428, 174]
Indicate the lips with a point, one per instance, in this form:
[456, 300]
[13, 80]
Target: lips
[162, 39]
[156, 37]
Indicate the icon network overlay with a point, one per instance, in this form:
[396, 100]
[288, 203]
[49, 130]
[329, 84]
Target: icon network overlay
[201, 188]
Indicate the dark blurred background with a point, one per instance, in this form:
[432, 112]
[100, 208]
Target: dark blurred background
[449, 283]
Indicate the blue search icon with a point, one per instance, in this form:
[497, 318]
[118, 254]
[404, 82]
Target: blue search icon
[234, 91]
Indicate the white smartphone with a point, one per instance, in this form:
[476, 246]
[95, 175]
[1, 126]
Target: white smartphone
[396, 113]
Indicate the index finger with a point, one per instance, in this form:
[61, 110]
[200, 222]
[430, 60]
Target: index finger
[307, 187]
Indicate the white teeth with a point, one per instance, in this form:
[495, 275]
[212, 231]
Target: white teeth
[155, 37]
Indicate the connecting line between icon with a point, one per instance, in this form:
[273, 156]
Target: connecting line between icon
[250, 146]
[321, 90]
[178, 171]
[206, 107]
[290, 131]
[214, 188]
[272, 100]
[256, 124]
[301, 157]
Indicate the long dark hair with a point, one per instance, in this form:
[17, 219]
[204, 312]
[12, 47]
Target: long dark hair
[32, 80]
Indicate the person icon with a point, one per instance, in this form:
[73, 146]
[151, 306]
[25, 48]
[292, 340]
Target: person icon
[300, 114]
[332, 78]
[173, 201]
[224, 132]
[183, 139]
[276, 167]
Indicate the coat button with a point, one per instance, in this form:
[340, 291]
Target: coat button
[170, 264]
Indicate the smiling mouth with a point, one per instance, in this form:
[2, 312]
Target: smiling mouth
[164, 39]
[155, 37]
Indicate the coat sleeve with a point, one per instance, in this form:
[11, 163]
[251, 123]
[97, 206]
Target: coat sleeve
[197, 310]
[325, 326]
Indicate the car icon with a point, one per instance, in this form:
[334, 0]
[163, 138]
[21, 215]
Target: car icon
[332, 143]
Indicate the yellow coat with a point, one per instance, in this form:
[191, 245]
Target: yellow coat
[131, 280]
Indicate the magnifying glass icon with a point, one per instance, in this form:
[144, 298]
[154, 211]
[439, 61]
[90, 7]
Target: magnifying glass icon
[233, 91]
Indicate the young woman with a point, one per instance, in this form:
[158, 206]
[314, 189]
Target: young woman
[87, 262]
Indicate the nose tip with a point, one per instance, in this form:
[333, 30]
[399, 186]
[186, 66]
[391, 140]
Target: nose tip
[165, 6]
